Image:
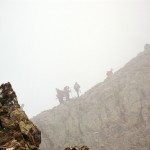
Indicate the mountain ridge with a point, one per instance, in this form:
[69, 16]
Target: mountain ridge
[113, 114]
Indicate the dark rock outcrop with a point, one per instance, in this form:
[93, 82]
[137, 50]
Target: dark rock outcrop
[77, 148]
[115, 114]
[17, 132]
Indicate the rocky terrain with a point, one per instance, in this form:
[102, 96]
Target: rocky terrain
[17, 132]
[113, 115]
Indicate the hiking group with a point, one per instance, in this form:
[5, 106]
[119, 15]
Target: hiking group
[65, 93]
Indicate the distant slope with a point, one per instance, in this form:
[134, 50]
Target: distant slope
[113, 115]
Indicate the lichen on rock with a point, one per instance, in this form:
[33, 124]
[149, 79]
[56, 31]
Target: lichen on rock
[17, 132]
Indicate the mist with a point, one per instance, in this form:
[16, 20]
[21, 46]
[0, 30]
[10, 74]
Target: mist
[50, 44]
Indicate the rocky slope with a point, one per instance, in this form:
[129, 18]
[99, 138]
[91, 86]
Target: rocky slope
[113, 115]
[17, 132]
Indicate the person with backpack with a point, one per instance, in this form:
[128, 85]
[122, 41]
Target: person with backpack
[66, 92]
[109, 73]
[77, 88]
[60, 95]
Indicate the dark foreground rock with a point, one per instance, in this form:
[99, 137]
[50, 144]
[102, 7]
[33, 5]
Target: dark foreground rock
[77, 148]
[17, 132]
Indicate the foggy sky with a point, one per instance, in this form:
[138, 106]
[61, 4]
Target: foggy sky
[47, 44]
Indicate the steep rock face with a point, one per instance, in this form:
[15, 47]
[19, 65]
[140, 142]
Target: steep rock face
[115, 114]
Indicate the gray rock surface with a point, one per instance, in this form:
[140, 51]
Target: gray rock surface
[113, 115]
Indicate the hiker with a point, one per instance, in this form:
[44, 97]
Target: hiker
[77, 88]
[66, 92]
[60, 95]
[22, 106]
[109, 73]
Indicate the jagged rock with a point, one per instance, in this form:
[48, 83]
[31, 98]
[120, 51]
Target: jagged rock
[17, 132]
[115, 114]
[77, 148]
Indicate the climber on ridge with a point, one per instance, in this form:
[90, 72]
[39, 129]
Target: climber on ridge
[66, 92]
[60, 95]
[77, 88]
[109, 73]
[22, 106]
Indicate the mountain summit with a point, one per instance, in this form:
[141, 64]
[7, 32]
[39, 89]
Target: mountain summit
[113, 115]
